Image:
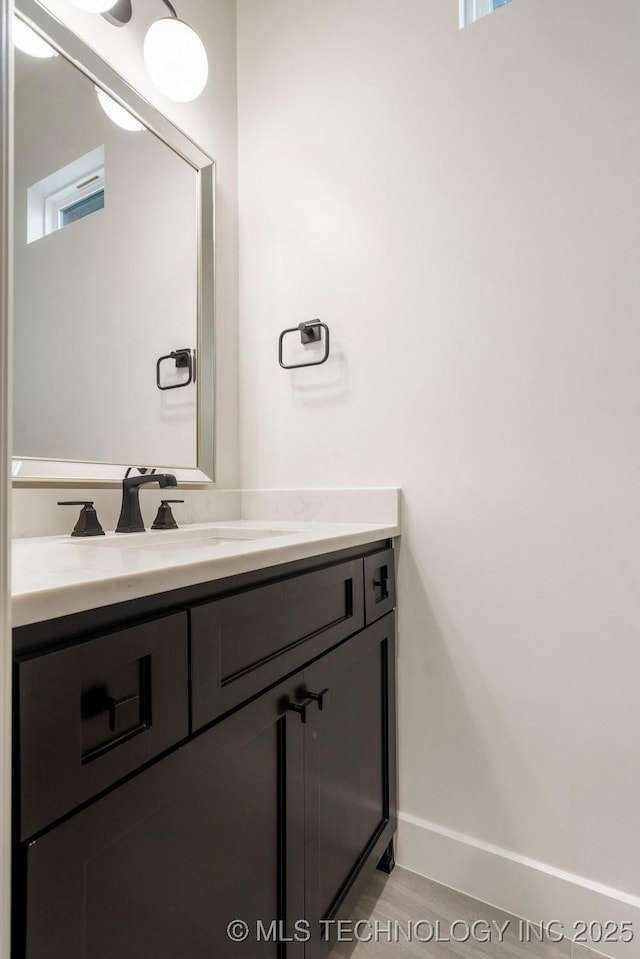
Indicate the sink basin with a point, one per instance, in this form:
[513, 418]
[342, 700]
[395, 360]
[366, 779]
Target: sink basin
[203, 537]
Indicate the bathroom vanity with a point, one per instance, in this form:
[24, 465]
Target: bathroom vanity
[204, 718]
[219, 753]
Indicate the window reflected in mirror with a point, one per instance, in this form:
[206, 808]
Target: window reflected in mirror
[472, 10]
[66, 196]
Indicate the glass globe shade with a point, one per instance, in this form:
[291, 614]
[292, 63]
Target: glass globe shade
[27, 40]
[117, 113]
[94, 6]
[176, 59]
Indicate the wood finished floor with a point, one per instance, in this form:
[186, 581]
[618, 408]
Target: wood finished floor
[404, 896]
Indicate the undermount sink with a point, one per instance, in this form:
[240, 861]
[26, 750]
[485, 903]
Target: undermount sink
[186, 538]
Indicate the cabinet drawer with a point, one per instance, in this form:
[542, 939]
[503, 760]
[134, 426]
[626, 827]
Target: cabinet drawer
[244, 643]
[93, 712]
[379, 585]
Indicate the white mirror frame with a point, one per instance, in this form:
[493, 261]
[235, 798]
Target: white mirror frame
[44, 472]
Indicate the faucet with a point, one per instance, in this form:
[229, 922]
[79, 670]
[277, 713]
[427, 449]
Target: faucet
[130, 516]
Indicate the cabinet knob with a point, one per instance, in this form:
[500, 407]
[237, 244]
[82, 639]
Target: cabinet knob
[317, 697]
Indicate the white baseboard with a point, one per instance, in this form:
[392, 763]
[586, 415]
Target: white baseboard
[524, 887]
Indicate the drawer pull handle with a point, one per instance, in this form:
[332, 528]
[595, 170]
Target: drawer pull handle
[300, 708]
[382, 584]
[123, 713]
[317, 697]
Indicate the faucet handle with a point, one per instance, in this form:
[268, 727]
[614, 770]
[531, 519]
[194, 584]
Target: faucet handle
[88, 523]
[165, 518]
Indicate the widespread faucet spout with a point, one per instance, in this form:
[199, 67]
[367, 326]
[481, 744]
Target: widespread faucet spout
[130, 516]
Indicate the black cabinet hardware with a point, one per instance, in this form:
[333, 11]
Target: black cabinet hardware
[123, 713]
[317, 697]
[382, 584]
[380, 588]
[300, 708]
[88, 523]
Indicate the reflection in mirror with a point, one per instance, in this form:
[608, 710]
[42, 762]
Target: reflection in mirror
[108, 278]
[120, 116]
[58, 200]
[472, 10]
[28, 41]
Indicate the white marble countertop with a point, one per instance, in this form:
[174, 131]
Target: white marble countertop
[58, 575]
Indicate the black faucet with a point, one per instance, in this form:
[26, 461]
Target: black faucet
[130, 516]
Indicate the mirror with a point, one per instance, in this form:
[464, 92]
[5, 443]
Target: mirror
[113, 272]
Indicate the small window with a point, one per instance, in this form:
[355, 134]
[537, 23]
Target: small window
[66, 196]
[471, 10]
[75, 211]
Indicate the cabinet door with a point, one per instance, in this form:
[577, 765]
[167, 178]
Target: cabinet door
[160, 867]
[350, 776]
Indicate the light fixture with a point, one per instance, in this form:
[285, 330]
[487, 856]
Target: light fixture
[174, 54]
[27, 40]
[117, 113]
[175, 58]
[94, 6]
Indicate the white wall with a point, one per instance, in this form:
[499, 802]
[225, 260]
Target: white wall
[211, 122]
[461, 207]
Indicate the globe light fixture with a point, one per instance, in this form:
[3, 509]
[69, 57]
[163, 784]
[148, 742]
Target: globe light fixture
[176, 59]
[174, 54]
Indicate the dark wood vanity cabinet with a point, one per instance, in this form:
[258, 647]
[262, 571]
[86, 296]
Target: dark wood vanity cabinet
[350, 775]
[159, 866]
[271, 815]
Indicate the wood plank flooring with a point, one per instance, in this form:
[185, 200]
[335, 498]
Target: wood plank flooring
[405, 897]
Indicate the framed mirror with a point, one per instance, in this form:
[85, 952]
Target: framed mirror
[113, 273]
